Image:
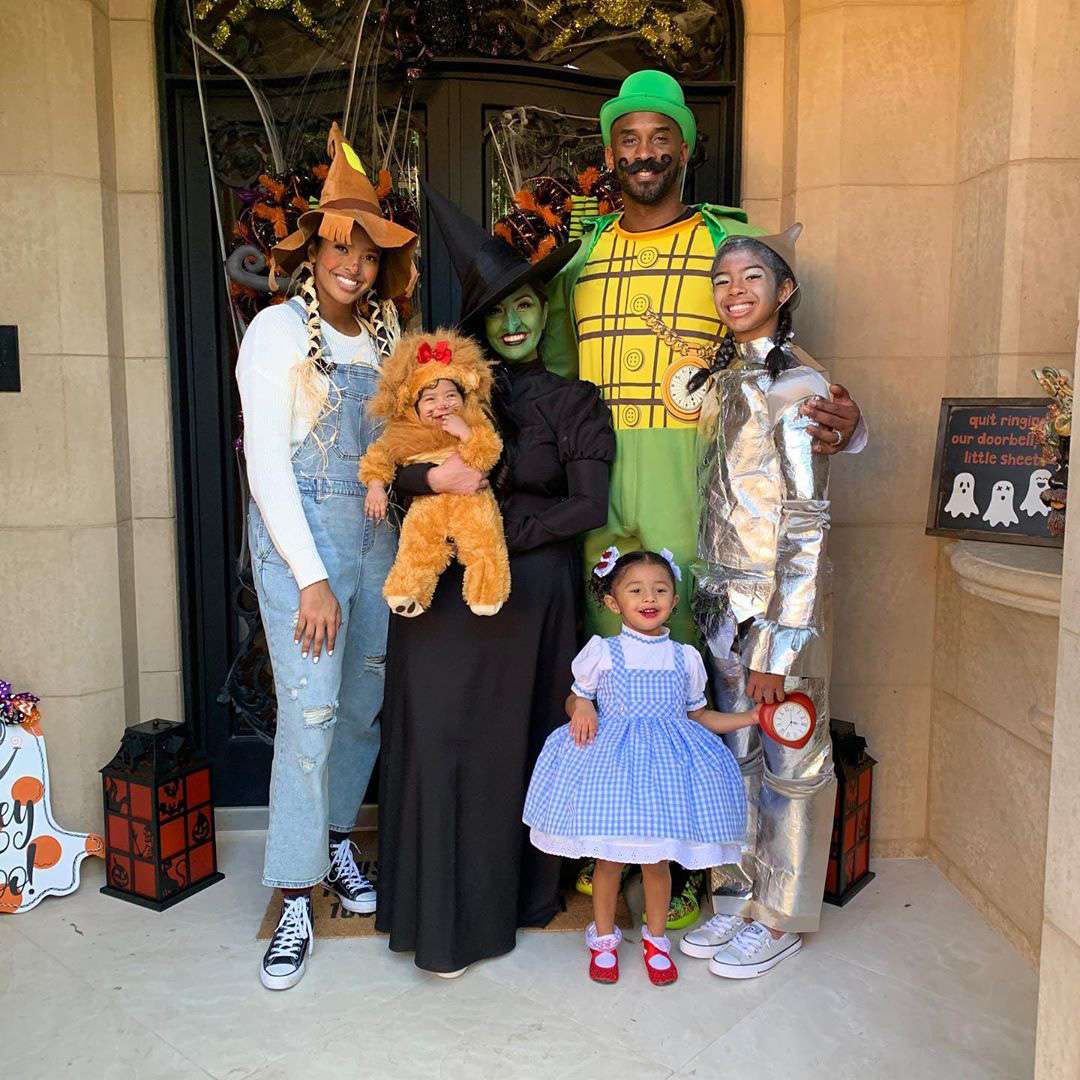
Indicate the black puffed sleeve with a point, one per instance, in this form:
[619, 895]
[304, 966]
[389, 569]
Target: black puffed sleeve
[412, 479]
[583, 433]
[582, 424]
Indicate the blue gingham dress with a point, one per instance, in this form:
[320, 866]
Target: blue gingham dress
[653, 785]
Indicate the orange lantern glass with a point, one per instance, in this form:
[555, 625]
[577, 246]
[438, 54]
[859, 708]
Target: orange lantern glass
[159, 817]
[849, 856]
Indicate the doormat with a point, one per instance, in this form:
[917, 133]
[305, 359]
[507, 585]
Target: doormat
[332, 920]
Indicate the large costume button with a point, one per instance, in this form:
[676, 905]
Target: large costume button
[633, 359]
[647, 256]
[631, 416]
[639, 304]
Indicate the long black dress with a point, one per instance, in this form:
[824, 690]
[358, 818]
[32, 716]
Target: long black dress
[469, 700]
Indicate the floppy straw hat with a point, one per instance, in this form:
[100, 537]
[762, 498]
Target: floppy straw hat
[348, 198]
[650, 91]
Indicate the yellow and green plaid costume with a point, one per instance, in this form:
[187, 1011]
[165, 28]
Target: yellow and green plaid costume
[596, 331]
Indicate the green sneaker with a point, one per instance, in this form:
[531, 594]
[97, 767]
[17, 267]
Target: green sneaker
[684, 909]
[583, 884]
[584, 879]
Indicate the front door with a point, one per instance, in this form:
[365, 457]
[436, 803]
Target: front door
[457, 110]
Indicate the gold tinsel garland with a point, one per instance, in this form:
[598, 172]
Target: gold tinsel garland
[656, 27]
[568, 22]
[300, 13]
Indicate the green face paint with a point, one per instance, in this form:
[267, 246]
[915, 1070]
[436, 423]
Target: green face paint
[514, 325]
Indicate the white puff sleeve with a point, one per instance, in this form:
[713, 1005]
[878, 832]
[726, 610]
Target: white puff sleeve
[695, 678]
[588, 666]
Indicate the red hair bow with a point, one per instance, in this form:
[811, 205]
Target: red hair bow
[441, 354]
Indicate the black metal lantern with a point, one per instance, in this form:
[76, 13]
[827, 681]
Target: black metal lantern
[849, 856]
[159, 817]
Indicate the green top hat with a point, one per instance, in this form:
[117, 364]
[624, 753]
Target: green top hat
[650, 91]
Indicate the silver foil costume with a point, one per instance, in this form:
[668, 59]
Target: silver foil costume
[761, 594]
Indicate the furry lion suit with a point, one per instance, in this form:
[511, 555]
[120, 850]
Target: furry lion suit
[439, 526]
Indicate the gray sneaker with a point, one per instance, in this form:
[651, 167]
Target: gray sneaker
[703, 941]
[752, 952]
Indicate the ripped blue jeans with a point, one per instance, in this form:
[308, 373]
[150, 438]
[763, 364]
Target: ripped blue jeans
[327, 720]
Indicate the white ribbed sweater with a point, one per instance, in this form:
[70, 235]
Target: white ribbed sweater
[275, 424]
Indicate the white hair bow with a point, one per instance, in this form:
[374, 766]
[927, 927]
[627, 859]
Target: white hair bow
[669, 558]
[608, 558]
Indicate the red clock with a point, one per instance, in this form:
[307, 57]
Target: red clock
[790, 722]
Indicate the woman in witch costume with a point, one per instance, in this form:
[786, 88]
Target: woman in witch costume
[470, 701]
[306, 371]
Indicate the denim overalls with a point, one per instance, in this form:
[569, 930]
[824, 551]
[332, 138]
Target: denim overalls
[327, 727]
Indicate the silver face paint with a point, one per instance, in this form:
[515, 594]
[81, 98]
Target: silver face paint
[761, 551]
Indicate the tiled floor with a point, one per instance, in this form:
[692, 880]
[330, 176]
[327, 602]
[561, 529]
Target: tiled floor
[906, 982]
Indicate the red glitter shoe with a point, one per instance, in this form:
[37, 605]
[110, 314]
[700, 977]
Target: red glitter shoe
[653, 948]
[603, 955]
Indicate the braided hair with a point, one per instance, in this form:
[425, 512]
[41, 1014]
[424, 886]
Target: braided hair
[599, 587]
[319, 396]
[777, 360]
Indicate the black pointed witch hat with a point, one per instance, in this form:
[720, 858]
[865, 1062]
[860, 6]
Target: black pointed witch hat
[487, 266]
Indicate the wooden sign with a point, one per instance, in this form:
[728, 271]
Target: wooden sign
[989, 472]
[37, 857]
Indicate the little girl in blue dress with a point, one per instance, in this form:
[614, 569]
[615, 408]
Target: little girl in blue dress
[646, 779]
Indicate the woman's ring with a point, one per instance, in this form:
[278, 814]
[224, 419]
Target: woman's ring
[839, 438]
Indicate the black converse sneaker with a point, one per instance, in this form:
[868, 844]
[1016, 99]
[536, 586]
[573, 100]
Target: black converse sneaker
[345, 880]
[285, 961]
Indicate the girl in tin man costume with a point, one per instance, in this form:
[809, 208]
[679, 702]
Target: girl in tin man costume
[758, 603]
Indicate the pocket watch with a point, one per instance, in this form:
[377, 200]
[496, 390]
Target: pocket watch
[679, 400]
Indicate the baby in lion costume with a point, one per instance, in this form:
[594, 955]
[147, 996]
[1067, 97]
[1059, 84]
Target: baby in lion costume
[434, 396]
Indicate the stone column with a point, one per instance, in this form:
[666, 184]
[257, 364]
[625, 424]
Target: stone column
[1015, 265]
[871, 101]
[763, 111]
[65, 536]
[146, 366]
[1057, 1048]
[86, 536]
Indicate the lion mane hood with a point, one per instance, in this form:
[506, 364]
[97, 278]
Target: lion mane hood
[422, 359]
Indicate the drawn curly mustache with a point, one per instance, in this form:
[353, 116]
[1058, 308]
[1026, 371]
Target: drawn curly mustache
[656, 165]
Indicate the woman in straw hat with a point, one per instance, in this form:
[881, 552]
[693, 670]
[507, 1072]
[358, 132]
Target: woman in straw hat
[306, 370]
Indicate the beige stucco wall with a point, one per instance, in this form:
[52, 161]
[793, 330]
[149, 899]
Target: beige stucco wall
[992, 727]
[87, 543]
[869, 166]
[1057, 1048]
[1015, 269]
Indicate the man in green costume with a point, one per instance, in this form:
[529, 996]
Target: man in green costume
[651, 265]
[635, 274]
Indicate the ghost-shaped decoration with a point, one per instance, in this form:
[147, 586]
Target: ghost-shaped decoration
[962, 500]
[37, 857]
[1001, 510]
[1037, 484]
